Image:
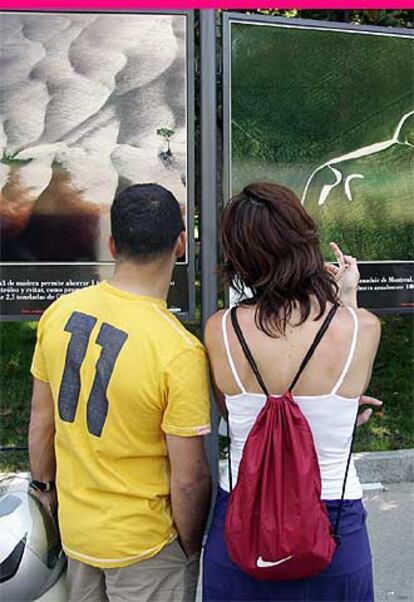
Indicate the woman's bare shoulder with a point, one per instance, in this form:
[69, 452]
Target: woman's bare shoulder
[368, 321]
[365, 317]
[369, 325]
[212, 332]
[215, 320]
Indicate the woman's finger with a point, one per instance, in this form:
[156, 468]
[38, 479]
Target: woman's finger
[340, 272]
[349, 260]
[366, 400]
[331, 268]
[338, 253]
[364, 417]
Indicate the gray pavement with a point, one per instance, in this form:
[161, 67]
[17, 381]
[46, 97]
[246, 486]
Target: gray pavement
[391, 529]
[393, 466]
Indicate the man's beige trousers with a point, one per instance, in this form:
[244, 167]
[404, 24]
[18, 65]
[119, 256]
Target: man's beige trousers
[167, 577]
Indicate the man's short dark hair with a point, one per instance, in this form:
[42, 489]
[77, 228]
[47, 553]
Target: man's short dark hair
[146, 221]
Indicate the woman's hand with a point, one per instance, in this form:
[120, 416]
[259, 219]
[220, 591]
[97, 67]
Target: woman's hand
[346, 275]
[364, 416]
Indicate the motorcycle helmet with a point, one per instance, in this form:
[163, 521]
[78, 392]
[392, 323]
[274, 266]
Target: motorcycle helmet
[31, 557]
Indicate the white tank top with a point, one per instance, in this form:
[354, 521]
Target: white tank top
[331, 418]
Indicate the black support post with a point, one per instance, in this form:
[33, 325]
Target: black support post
[208, 214]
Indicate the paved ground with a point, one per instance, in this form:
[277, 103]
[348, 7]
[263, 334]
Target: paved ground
[391, 528]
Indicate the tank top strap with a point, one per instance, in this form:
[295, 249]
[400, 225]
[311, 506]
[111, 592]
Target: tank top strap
[228, 352]
[351, 352]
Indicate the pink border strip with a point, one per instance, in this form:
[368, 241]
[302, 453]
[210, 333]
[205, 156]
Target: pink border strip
[96, 5]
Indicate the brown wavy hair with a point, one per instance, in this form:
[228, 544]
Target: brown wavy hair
[270, 244]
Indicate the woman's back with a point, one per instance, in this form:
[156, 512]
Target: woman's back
[327, 392]
[271, 246]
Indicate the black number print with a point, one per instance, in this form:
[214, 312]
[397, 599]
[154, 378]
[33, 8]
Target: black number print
[111, 340]
[80, 326]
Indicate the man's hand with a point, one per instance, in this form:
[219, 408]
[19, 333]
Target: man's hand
[346, 275]
[365, 400]
[48, 499]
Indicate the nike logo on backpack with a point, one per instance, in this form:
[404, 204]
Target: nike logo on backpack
[262, 564]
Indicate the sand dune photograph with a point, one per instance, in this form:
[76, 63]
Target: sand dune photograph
[90, 103]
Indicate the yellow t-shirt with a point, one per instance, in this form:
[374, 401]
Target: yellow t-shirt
[123, 372]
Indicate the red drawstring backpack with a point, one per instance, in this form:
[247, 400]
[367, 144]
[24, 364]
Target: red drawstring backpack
[276, 527]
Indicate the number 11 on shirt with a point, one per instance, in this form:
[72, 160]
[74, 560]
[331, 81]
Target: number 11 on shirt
[111, 340]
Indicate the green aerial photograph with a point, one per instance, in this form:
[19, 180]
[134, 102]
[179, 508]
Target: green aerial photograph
[330, 114]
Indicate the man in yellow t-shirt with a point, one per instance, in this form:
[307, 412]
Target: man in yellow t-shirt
[120, 404]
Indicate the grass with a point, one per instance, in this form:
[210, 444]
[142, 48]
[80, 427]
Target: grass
[17, 341]
[391, 428]
[281, 133]
[392, 382]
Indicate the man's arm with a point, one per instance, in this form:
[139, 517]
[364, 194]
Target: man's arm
[190, 489]
[186, 419]
[41, 439]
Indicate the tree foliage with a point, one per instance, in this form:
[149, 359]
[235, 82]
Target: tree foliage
[383, 18]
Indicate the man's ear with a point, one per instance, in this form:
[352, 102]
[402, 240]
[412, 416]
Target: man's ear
[181, 245]
[111, 247]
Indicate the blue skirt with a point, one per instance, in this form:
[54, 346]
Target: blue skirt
[348, 578]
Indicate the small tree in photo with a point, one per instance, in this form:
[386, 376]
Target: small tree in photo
[167, 134]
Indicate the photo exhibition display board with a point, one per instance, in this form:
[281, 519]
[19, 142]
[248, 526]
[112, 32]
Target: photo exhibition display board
[329, 112]
[91, 103]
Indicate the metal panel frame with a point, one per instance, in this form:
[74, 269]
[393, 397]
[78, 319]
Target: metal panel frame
[265, 20]
[208, 118]
[190, 118]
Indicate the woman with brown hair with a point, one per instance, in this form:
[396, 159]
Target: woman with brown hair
[270, 245]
